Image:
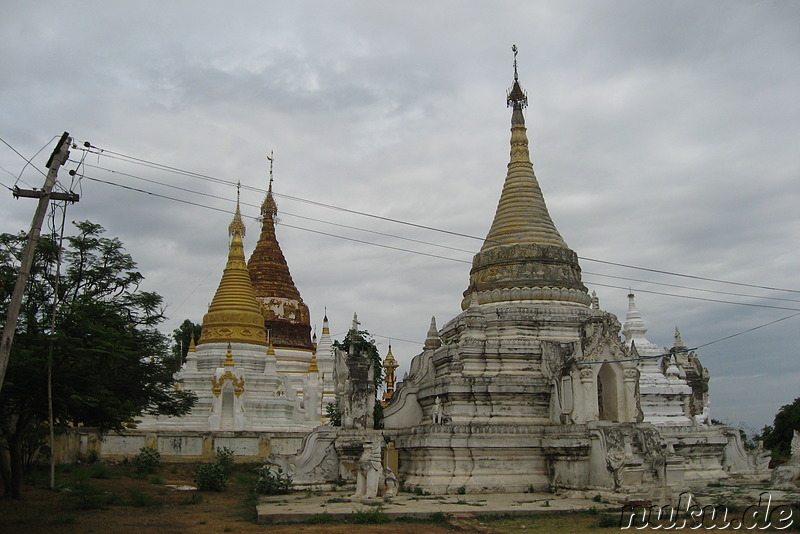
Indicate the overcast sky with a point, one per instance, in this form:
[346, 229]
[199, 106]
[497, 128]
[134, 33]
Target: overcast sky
[665, 135]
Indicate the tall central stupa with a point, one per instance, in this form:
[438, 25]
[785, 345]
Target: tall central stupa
[531, 386]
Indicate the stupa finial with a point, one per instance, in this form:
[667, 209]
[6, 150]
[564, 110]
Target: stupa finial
[237, 226]
[269, 206]
[516, 97]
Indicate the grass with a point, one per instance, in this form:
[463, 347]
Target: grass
[137, 497]
[320, 519]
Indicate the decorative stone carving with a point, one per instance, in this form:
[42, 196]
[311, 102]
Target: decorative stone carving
[437, 411]
[786, 476]
[355, 388]
[388, 486]
[369, 471]
[741, 461]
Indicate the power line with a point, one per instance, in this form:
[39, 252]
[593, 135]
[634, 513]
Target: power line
[702, 290]
[208, 195]
[282, 213]
[184, 172]
[695, 348]
[400, 249]
[704, 299]
[189, 202]
[29, 161]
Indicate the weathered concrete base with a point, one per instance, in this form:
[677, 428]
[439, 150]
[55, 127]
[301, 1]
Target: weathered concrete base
[338, 506]
[623, 458]
[184, 445]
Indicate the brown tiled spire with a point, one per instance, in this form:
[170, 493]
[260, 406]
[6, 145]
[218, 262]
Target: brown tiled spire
[286, 315]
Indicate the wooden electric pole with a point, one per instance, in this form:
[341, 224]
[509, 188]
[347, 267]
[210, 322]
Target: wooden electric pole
[57, 159]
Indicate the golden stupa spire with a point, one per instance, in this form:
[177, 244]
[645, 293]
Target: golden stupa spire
[284, 309]
[192, 344]
[236, 224]
[234, 314]
[229, 357]
[523, 255]
[312, 366]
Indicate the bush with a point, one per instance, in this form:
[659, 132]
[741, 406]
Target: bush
[272, 483]
[225, 459]
[211, 477]
[147, 461]
[100, 471]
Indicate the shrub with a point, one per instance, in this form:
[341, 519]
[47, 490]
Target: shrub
[147, 461]
[85, 495]
[272, 483]
[99, 471]
[211, 477]
[225, 459]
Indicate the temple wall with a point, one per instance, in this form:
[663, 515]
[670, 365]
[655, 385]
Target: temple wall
[175, 446]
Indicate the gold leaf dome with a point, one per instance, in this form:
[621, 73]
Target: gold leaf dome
[234, 314]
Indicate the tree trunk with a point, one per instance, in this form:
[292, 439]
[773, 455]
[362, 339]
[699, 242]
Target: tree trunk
[5, 471]
[15, 457]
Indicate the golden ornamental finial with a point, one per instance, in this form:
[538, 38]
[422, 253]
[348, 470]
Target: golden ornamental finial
[229, 357]
[237, 226]
[312, 366]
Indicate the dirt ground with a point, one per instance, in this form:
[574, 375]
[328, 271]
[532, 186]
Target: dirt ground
[99, 498]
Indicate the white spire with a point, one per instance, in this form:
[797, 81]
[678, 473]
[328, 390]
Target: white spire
[635, 329]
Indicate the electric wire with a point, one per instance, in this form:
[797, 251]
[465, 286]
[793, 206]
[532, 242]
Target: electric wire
[764, 325]
[28, 161]
[184, 172]
[282, 213]
[464, 261]
[704, 299]
[189, 202]
[208, 195]
[400, 249]
[689, 287]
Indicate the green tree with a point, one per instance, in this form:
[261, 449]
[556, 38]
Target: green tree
[181, 338]
[109, 361]
[364, 342]
[778, 437]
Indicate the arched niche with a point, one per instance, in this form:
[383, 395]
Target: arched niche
[609, 392]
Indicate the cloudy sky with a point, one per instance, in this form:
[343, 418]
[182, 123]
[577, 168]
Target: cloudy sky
[665, 135]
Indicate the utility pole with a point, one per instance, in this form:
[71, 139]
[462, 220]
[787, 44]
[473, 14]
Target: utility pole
[57, 159]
